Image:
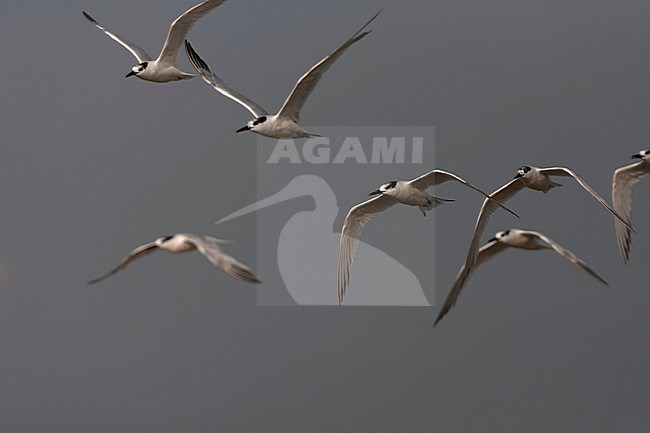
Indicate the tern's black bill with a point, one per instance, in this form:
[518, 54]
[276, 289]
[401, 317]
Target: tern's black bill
[374, 193]
[243, 128]
[130, 74]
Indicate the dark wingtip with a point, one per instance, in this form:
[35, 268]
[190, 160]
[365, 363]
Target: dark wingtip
[88, 17]
[194, 57]
[376, 15]
[99, 279]
[250, 278]
[504, 207]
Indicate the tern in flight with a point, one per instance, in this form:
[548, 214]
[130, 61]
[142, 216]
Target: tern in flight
[515, 238]
[527, 177]
[408, 192]
[285, 123]
[163, 69]
[305, 253]
[182, 242]
[623, 180]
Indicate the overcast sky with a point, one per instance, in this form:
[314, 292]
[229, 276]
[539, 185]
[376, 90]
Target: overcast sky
[94, 165]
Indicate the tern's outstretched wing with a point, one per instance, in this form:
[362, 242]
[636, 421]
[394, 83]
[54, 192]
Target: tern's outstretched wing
[501, 195]
[484, 253]
[622, 181]
[353, 225]
[141, 250]
[209, 247]
[563, 171]
[436, 177]
[307, 83]
[566, 254]
[138, 52]
[179, 28]
[219, 85]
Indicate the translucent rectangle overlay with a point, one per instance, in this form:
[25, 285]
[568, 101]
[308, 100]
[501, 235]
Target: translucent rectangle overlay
[305, 188]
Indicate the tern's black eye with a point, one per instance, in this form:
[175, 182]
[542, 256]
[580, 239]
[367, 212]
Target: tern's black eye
[388, 185]
[261, 119]
[506, 232]
[166, 238]
[144, 65]
[521, 171]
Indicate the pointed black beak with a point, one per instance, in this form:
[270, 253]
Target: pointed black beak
[492, 240]
[130, 74]
[518, 175]
[374, 193]
[638, 155]
[243, 128]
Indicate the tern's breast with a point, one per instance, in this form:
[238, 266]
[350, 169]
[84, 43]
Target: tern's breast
[520, 241]
[178, 244]
[537, 181]
[410, 195]
[162, 74]
[281, 128]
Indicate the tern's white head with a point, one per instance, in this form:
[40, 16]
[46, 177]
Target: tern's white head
[252, 124]
[162, 240]
[644, 155]
[522, 171]
[385, 187]
[500, 235]
[137, 69]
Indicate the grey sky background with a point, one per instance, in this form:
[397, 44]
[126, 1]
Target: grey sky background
[94, 165]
